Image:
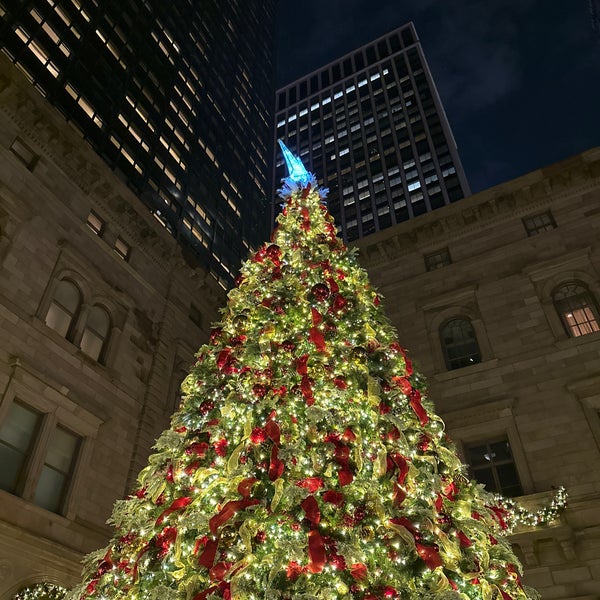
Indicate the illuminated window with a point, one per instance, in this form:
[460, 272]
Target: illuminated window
[37, 50]
[95, 223]
[577, 308]
[64, 308]
[492, 464]
[122, 248]
[459, 344]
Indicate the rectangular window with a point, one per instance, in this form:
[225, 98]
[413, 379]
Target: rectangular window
[438, 259]
[95, 223]
[17, 435]
[122, 248]
[24, 153]
[56, 473]
[539, 223]
[492, 464]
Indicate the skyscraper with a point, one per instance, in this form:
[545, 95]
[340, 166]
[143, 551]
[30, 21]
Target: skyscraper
[372, 125]
[175, 96]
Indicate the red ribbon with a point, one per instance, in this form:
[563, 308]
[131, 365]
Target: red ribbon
[499, 513]
[219, 571]
[406, 523]
[164, 540]
[402, 465]
[175, 506]
[399, 495]
[358, 571]
[341, 454]
[333, 286]
[430, 556]
[294, 570]
[349, 435]
[403, 383]
[273, 432]
[276, 466]
[415, 403]
[301, 367]
[228, 511]
[316, 552]
[306, 387]
[245, 486]
[311, 508]
[333, 497]
[407, 361]
[345, 477]
[169, 476]
[318, 339]
[312, 484]
[317, 318]
[207, 558]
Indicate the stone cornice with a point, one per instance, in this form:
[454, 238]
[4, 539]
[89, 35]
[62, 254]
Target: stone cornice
[67, 151]
[516, 198]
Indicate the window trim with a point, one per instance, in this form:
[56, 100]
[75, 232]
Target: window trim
[549, 276]
[38, 392]
[461, 303]
[77, 328]
[493, 465]
[444, 347]
[593, 305]
[434, 266]
[496, 420]
[533, 232]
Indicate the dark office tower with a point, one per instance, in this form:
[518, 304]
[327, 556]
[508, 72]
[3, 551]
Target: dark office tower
[371, 124]
[175, 95]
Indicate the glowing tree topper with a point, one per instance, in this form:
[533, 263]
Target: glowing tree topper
[305, 461]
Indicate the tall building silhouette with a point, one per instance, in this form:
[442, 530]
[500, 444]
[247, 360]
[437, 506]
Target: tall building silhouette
[372, 126]
[175, 96]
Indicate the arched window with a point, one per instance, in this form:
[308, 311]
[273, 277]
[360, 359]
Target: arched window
[64, 307]
[95, 334]
[459, 344]
[577, 308]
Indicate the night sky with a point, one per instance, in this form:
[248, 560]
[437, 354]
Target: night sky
[519, 79]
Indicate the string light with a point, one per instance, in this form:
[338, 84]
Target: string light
[305, 460]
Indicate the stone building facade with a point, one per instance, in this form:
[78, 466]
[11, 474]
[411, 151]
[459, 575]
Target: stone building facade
[497, 299]
[100, 316]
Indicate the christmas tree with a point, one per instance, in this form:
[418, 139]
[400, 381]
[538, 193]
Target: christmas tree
[305, 460]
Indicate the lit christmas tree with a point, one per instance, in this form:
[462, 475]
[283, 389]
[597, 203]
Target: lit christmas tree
[305, 461]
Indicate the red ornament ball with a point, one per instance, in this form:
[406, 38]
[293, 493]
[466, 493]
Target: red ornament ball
[260, 537]
[259, 390]
[288, 345]
[319, 292]
[273, 252]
